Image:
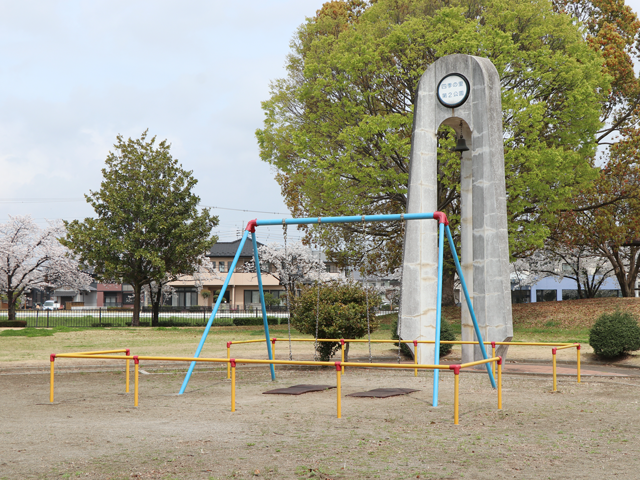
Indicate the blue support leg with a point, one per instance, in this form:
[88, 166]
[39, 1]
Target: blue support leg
[473, 314]
[436, 356]
[264, 307]
[213, 313]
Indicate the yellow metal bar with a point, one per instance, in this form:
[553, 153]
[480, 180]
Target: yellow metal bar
[578, 363]
[493, 354]
[51, 379]
[339, 389]
[415, 358]
[135, 383]
[100, 352]
[239, 342]
[228, 357]
[568, 346]
[555, 382]
[456, 396]
[500, 384]
[342, 344]
[479, 362]
[233, 386]
[127, 375]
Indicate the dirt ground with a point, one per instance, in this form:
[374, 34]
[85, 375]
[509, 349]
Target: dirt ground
[93, 431]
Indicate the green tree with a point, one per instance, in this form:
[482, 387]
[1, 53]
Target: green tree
[340, 312]
[147, 222]
[338, 127]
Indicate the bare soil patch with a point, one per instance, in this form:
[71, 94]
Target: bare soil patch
[93, 431]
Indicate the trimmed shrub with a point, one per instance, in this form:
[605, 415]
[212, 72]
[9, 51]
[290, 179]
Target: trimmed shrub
[342, 313]
[615, 334]
[446, 333]
[13, 323]
[253, 321]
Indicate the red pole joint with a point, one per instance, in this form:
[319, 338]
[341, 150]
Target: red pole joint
[128, 352]
[273, 340]
[455, 368]
[342, 341]
[500, 361]
[578, 347]
[135, 359]
[493, 344]
[441, 217]
[553, 351]
[52, 357]
[229, 344]
[415, 343]
[251, 226]
[233, 362]
[338, 367]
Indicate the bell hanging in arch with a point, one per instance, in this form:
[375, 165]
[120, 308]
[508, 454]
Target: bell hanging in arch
[461, 146]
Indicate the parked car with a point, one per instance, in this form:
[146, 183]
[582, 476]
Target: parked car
[51, 305]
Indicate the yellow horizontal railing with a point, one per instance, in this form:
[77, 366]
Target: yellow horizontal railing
[234, 362]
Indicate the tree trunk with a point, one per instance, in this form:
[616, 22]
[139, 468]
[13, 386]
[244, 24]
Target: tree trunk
[346, 352]
[135, 321]
[448, 282]
[12, 305]
[155, 306]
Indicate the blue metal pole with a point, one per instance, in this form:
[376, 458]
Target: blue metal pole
[436, 356]
[466, 296]
[264, 307]
[215, 310]
[349, 219]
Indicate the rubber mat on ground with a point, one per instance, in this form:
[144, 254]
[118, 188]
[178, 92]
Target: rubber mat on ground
[299, 389]
[383, 392]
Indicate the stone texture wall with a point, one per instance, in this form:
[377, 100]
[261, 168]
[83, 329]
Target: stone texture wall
[484, 237]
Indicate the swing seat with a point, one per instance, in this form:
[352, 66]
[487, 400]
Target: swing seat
[298, 389]
[383, 392]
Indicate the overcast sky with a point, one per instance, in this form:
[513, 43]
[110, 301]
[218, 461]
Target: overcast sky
[74, 74]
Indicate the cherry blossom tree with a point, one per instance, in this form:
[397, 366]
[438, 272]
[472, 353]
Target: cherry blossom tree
[294, 265]
[588, 269]
[32, 257]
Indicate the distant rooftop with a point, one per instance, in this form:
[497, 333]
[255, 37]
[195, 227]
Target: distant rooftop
[229, 249]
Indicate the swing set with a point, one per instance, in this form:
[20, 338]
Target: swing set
[443, 229]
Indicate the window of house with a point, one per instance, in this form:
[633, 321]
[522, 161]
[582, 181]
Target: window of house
[331, 267]
[111, 300]
[566, 268]
[186, 297]
[222, 267]
[520, 296]
[546, 295]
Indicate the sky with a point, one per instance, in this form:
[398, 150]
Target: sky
[75, 74]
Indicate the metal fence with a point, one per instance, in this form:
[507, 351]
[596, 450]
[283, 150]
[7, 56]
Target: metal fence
[168, 316]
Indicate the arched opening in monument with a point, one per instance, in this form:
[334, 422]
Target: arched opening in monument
[449, 164]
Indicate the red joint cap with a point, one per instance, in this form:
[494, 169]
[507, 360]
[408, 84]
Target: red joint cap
[455, 368]
[342, 341]
[441, 217]
[233, 362]
[553, 351]
[127, 352]
[415, 343]
[229, 344]
[338, 367]
[499, 360]
[136, 360]
[251, 226]
[493, 344]
[273, 340]
[52, 357]
[578, 347]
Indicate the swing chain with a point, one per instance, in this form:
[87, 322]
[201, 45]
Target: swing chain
[399, 329]
[286, 274]
[318, 270]
[366, 291]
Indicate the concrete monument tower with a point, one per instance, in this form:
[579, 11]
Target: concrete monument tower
[455, 89]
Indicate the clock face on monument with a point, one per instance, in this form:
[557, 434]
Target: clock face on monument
[453, 90]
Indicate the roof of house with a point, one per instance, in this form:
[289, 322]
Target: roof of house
[229, 249]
